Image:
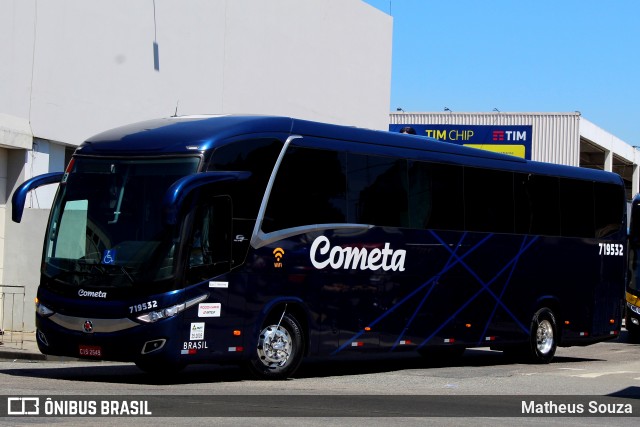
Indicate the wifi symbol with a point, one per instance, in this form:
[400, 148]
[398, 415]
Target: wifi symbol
[278, 253]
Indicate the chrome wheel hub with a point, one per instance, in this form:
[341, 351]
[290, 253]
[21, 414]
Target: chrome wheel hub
[544, 337]
[274, 346]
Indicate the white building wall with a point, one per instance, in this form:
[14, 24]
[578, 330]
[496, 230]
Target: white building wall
[73, 68]
[22, 258]
[3, 198]
[3, 175]
[83, 67]
[322, 60]
[17, 35]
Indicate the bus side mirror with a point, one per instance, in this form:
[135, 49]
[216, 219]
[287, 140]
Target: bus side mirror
[20, 195]
[179, 190]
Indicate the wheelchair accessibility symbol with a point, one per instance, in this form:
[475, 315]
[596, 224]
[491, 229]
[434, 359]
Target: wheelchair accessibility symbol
[109, 256]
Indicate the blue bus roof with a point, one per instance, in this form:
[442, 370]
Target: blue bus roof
[189, 134]
[172, 135]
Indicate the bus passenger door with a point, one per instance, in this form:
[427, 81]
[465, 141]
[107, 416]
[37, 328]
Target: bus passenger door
[210, 247]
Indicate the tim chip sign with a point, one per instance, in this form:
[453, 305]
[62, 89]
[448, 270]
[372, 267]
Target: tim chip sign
[512, 140]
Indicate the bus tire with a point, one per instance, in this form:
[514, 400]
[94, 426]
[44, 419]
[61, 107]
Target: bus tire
[543, 336]
[279, 350]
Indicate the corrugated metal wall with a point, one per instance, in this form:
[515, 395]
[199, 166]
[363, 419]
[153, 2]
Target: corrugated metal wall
[556, 136]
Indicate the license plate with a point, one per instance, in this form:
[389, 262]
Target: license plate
[90, 351]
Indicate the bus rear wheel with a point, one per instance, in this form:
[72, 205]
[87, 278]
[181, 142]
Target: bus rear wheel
[543, 336]
[280, 349]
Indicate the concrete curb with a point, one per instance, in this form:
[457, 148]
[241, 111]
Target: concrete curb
[17, 354]
[20, 345]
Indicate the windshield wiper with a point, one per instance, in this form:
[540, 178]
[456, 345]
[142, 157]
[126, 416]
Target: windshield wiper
[64, 273]
[126, 273]
[84, 268]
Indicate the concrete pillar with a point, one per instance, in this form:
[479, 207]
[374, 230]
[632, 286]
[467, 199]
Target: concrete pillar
[635, 180]
[608, 160]
[4, 195]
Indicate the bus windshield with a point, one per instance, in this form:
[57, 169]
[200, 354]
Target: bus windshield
[106, 225]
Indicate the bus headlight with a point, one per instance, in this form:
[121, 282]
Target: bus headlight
[154, 316]
[43, 310]
[165, 313]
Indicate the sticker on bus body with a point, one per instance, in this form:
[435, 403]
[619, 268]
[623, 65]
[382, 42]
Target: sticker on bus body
[109, 256]
[197, 331]
[215, 284]
[209, 309]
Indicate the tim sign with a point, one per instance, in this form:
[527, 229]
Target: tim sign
[512, 140]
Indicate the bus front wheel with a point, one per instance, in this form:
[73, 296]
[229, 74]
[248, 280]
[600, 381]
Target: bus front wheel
[543, 336]
[279, 350]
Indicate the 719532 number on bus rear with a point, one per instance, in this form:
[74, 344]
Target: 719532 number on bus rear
[611, 249]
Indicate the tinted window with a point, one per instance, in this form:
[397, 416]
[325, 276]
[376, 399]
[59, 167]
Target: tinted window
[435, 196]
[310, 188]
[537, 205]
[609, 208]
[576, 198]
[110, 209]
[255, 155]
[489, 200]
[316, 186]
[523, 204]
[377, 190]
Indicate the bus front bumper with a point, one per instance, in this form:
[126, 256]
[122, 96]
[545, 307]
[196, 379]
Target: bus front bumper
[166, 341]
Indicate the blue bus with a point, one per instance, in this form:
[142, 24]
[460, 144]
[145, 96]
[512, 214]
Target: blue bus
[260, 240]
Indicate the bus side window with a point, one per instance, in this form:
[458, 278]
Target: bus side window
[377, 190]
[577, 210]
[489, 200]
[537, 205]
[436, 196]
[211, 241]
[608, 216]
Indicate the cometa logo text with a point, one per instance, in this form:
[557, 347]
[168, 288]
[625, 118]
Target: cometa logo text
[97, 294]
[323, 255]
